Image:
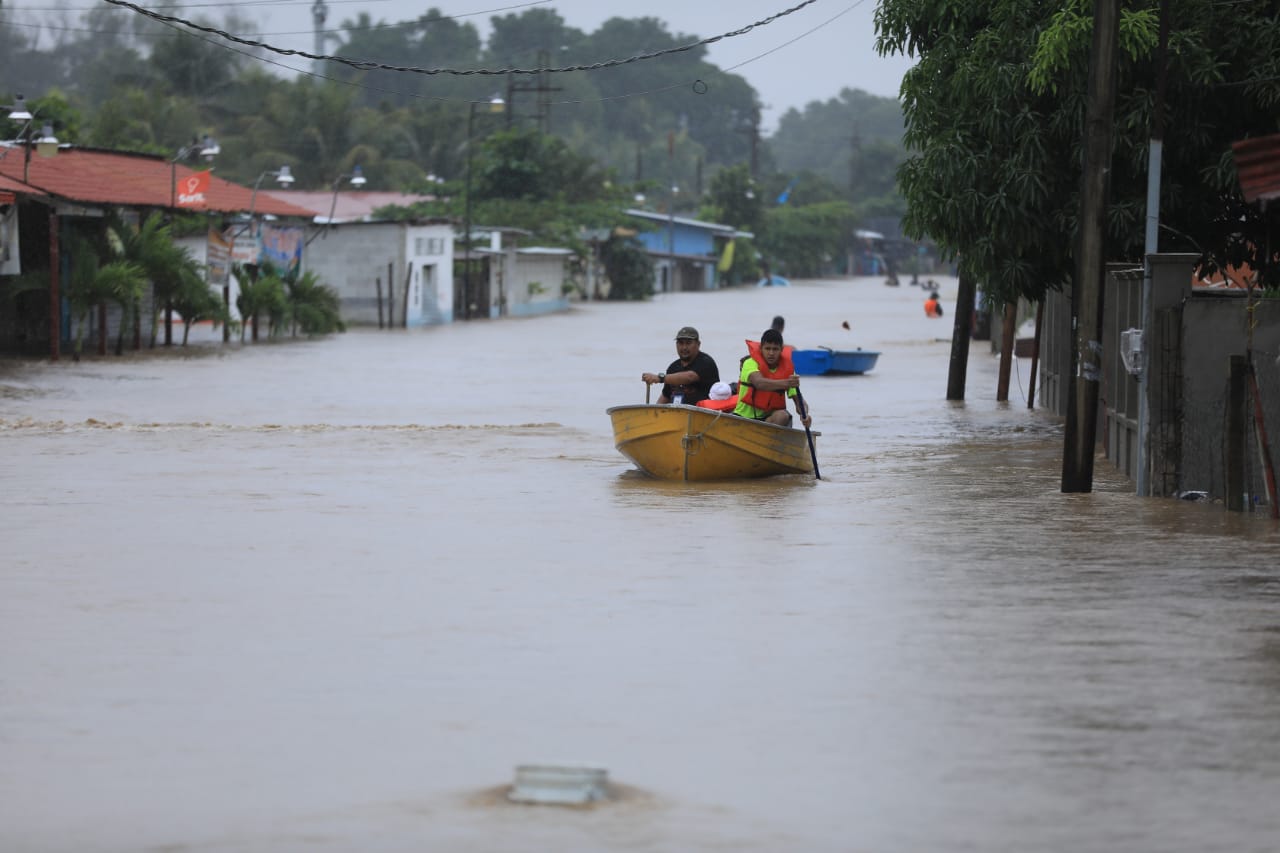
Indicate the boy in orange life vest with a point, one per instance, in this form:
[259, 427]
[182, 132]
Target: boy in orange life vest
[767, 379]
[932, 307]
[689, 378]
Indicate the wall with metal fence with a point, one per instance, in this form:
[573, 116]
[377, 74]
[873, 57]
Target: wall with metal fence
[1207, 426]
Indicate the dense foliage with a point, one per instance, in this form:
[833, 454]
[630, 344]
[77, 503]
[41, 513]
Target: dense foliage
[123, 81]
[995, 110]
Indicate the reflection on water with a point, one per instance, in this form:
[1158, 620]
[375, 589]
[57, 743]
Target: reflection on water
[326, 595]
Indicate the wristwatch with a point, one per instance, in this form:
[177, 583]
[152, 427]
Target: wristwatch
[662, 377]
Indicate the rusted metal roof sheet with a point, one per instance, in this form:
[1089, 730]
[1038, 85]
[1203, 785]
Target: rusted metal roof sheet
[1258, 165]
[347, 205]
[94, 177]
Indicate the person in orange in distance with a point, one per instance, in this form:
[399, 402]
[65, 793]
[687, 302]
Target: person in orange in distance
[932, 307]
[767, 380]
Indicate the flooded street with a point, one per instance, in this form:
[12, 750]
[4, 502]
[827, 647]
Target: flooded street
[325, 596]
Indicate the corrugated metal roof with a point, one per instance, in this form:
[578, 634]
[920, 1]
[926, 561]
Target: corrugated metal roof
[350, 205]
[94, 177]
[1258, 165]
[692, 223]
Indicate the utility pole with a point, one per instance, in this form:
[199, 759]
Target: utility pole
[960, 330]
[319, 12]
[752, 129]
[855, 158]
[671, 210]
[1086, 292]
[1151, 246]
[542, 91]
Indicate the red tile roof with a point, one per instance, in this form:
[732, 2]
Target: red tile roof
[1258, 165]
[12, 187]
[94, 177]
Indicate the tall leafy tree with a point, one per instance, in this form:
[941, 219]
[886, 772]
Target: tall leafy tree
[995, 107]
[848, 139]
[735, 199]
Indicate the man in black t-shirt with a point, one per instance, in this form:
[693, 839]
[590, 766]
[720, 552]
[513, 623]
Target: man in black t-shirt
[689, 378]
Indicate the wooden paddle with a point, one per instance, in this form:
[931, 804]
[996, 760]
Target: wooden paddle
[813, 454]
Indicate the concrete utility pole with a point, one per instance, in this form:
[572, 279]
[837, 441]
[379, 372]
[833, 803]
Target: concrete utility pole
[319, 12]
[1086, 292]
[1155, 158]
[960, 333]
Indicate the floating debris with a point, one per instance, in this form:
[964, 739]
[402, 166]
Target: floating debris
[559, 785]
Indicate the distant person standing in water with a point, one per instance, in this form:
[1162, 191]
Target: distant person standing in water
[932, 307]
[778, 324]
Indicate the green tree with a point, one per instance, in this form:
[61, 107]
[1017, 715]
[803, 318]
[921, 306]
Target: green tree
[734, 199]
[854, 140]
[195, 301]
[90, 282]
[527, 165]
[629, 268]
[805, 241]
[262, 291]
[995, 109]
[151, 247]
[192, 65]
[314, 307]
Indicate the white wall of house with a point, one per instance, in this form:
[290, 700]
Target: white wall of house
[198, 246]
[429, 249]
[535, 282]
[406, 267]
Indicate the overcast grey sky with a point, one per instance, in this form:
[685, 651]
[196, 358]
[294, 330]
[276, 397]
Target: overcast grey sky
[809, 55]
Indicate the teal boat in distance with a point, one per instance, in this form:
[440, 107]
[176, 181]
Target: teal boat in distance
[825, 361]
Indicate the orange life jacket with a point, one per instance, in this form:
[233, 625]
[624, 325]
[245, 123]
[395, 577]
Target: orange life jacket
[766, 401]
[932, 308]
[719, 405]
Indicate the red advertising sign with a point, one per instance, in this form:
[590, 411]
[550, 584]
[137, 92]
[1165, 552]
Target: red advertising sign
[192, 190]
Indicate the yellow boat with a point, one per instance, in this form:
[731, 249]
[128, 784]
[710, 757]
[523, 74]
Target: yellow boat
[693, 443]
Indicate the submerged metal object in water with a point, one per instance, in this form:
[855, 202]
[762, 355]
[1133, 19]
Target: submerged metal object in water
[559, 784]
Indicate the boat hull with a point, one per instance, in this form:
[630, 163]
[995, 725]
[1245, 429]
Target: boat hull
[696, 444]
[823, 361]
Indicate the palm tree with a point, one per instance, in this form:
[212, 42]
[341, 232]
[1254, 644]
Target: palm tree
[263, 292]
[196, 301]
[313, 305]
[151, 247]
[90, 282]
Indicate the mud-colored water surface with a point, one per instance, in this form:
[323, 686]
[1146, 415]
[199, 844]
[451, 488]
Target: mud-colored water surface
[326, 595]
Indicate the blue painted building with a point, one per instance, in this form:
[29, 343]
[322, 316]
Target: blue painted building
[684, 251]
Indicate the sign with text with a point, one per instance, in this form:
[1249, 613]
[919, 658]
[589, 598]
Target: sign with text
[193, 190]
[244, 243]
[217, 258]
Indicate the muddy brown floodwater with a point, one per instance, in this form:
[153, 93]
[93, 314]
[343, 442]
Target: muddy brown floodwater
[325, 596]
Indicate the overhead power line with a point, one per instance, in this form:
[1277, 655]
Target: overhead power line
[369, 65]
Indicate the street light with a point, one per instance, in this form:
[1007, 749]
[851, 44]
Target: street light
[356, 176]
[284, 177]
[495, 105]
[357, 179]
[46, 144]
[207, 148]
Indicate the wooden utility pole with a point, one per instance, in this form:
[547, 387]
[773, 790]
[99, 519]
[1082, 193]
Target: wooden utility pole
[1087, 297]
